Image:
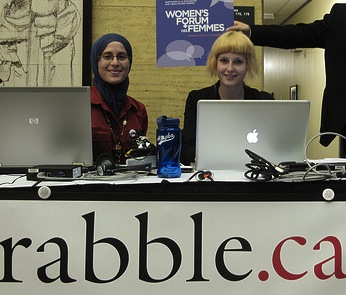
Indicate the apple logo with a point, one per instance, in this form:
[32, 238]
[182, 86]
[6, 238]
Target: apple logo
[252, 137]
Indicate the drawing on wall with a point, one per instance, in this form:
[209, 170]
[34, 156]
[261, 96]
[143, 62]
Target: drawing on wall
[41, 42]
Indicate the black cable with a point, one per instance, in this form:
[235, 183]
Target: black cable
[13, 181]
[261, 169]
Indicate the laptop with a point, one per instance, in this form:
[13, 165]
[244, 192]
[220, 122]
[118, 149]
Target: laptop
[273, 129]
[44, 126]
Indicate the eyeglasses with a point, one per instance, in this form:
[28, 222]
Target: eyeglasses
[107, 57]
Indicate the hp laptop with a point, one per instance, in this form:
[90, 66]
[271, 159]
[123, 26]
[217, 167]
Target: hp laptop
[44, 126]
[273, 129]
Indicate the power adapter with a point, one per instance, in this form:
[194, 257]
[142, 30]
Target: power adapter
[53, 171]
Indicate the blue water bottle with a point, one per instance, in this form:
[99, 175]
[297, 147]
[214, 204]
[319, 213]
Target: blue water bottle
[168, 144]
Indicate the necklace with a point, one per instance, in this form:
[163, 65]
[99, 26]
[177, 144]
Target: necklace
[117, 146]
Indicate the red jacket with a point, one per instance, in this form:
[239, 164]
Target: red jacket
[133, 111]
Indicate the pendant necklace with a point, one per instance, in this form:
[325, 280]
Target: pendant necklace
[117, 147]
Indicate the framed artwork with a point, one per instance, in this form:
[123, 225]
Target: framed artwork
[294, 92]
[45, 43]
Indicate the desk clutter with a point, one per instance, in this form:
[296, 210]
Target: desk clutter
[43, 157]
[257, 169]
[260, 169]
[144, 158]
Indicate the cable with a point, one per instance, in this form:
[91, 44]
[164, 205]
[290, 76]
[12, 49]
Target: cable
[92, 176]
[140, 148]
[325, 165]
[299, 176]
[201, 175]
[261, 169]
[205, 175]
[13, 181]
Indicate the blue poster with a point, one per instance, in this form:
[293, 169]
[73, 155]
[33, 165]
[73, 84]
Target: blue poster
[186, 29]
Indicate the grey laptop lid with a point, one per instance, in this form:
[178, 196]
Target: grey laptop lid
[45, 126]
[273, 129]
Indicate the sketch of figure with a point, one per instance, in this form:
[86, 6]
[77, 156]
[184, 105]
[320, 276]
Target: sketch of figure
[38, 42]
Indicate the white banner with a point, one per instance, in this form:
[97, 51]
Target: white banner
[49, 247]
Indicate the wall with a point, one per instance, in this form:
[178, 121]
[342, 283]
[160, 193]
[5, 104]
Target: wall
[283, 68]
[162, 90]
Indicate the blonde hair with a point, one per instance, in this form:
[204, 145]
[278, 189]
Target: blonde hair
[235, 42]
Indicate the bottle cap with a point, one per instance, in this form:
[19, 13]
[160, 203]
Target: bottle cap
[165, 121]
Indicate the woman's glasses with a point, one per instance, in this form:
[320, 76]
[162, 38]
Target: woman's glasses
[107, 57]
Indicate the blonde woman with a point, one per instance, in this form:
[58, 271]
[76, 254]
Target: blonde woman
[231, 58]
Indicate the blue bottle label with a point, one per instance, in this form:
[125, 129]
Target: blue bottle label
[162, 138]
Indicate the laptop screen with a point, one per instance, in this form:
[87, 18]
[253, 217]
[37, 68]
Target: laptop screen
[45, 126]
[273, 129]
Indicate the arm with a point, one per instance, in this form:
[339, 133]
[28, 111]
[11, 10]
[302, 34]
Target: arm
[289, 36]
[145, 122]
[188, 151]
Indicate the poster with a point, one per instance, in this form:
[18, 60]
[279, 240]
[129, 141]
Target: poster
[186, 29]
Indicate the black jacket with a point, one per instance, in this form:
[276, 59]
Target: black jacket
[329, 34]
[188, 151]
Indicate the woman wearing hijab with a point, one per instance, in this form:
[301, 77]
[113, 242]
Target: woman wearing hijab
[113, 113]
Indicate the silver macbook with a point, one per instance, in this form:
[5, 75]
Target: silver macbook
[273, 129]
[45, 126]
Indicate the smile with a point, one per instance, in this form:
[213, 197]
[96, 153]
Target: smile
[115, 72]
[230, 77]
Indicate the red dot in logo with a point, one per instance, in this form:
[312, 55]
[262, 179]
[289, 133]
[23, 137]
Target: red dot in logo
[263, 276]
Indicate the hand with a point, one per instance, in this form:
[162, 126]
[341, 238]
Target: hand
[238, 26]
